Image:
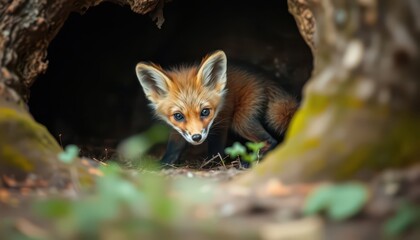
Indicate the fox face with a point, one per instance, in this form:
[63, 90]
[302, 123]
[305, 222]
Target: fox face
[187, 98]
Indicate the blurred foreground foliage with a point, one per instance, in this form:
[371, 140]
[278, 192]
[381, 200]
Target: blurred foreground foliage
[122, 205]
[406, 217]
[132, 152]
[144, 204]
[249, 154]
[339, 201]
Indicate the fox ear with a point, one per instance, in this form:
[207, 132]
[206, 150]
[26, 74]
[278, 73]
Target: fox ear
[154, 82]
[212, 72]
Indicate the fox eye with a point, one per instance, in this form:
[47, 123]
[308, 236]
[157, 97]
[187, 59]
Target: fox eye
[205, 112]
[178, 117]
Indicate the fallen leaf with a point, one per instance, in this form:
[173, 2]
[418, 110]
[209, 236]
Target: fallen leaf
[276, 188]
[4, 195]
[347, 200]
[25, 191]
[9, 181]
[30, 229]
[95, 171]
[318, 199]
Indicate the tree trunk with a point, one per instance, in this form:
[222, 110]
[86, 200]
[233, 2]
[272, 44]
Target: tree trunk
[360, 111]
[26, 29]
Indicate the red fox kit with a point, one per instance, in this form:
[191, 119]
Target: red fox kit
[193, 99]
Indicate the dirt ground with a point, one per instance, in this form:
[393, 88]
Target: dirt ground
[273, 210]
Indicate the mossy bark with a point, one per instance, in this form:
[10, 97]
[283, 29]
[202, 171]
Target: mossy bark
[26, 29]
[25, 146]
[360, 111]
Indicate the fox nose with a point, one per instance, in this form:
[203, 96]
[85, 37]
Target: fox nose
[196, 137]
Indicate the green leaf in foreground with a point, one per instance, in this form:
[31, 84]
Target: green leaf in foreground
[69, 154]
[406, 216]
[237, 149]
[54, 208]
[137, 145]
[347, 200]
[255, 147]
[340, 201]
[318, 200]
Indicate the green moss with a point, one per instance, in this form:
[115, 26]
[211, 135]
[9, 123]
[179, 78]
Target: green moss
[311, 143]
[396, 148]
[352, 102]
[393, 142]
[24, 144]
[300, 146]
[298, 123]
[312, 106]
[15, 158]
[357, 160]
[407, 139]
[290, 151]
[28, 126]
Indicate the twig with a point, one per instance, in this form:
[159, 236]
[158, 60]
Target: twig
[61, 142]
[209, 161]
[222, 160]
[106, 154]
[99, 161]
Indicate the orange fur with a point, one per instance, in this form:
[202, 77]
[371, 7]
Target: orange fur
[245, 103]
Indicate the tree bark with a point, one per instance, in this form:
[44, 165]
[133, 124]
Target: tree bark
[305, 20]
[360, 111]
[26, 29]
[28, 26]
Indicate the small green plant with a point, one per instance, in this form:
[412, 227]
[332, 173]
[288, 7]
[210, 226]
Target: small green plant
[125, 204]
[132, 151]
[338, 201]
[237, 149]
[69, 154]
[407, 215]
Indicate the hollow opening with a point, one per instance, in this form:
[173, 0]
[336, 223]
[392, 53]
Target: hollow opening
[90, 95]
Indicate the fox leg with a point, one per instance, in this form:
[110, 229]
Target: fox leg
[254, 131]
[261, 135]
[217, 142]
[175, 147]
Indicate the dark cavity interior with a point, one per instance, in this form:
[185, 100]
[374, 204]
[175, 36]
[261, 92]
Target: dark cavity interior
[90, 95]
